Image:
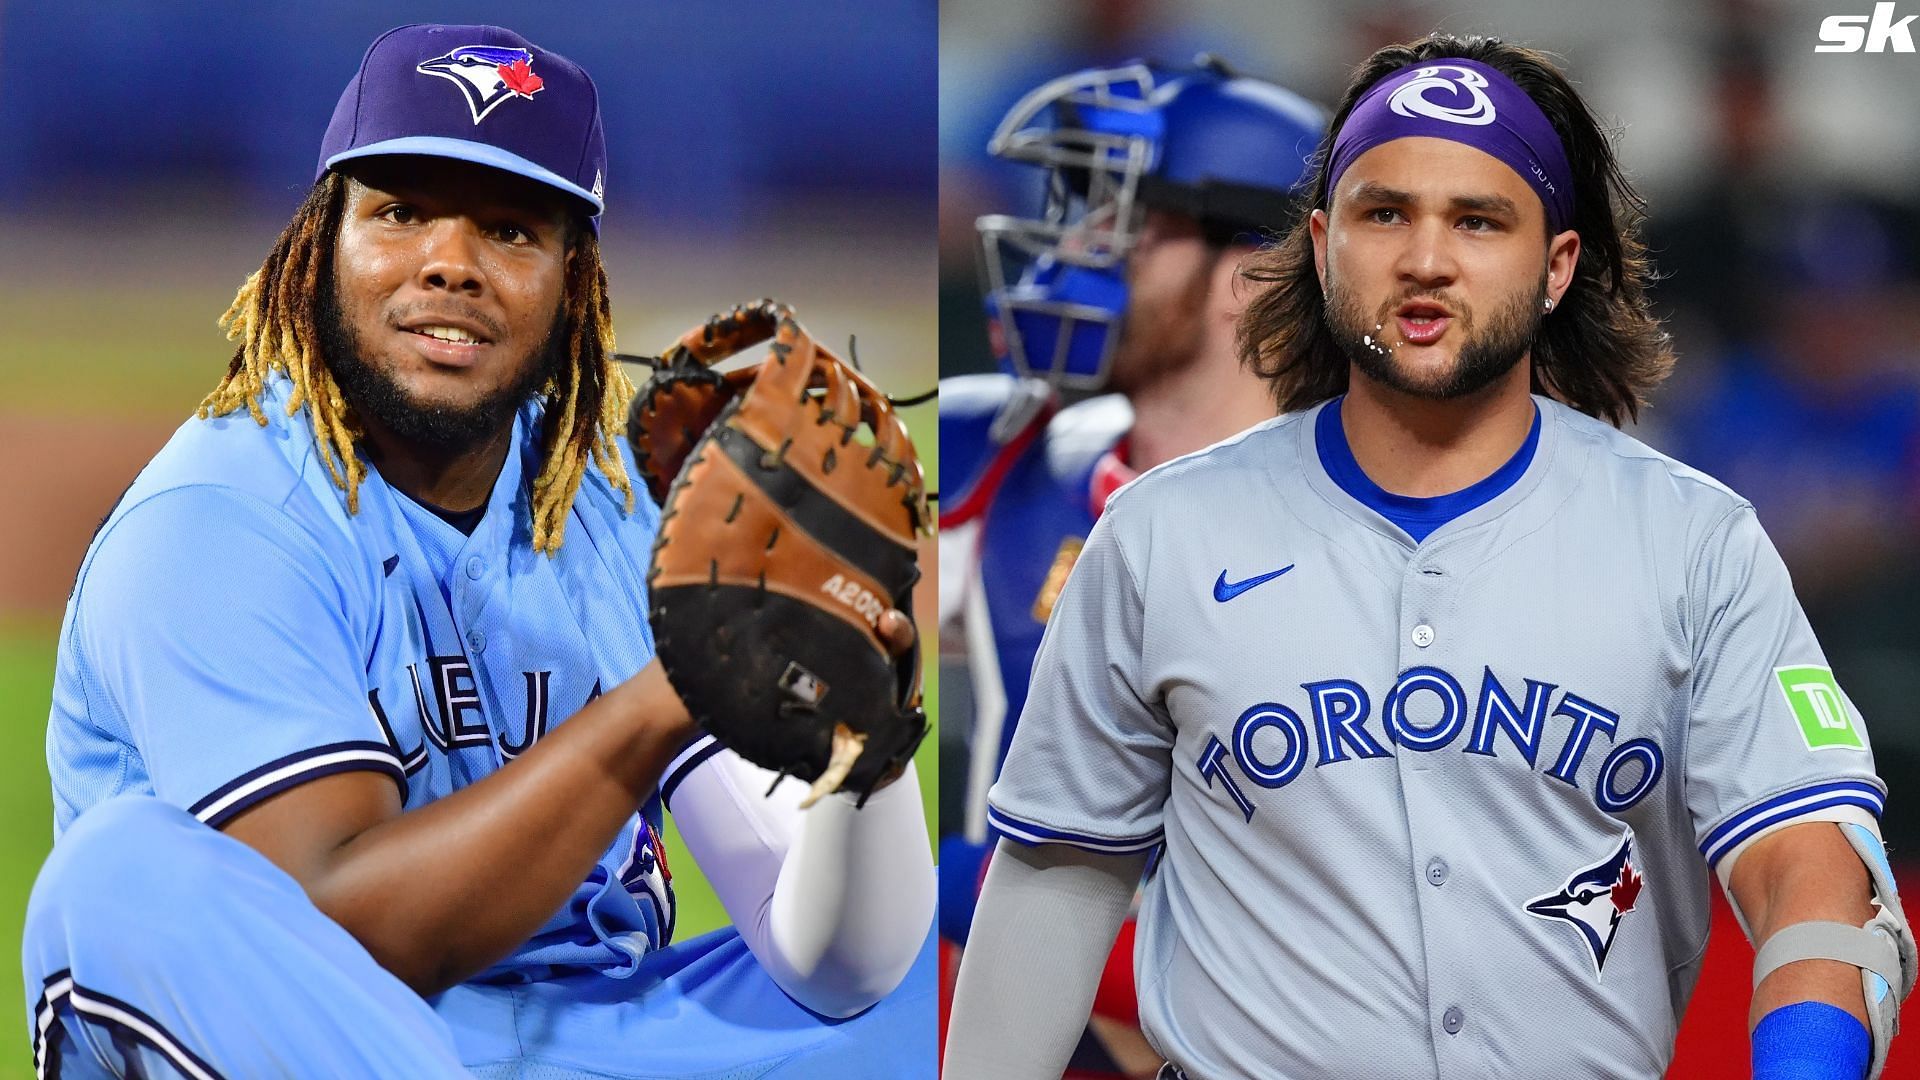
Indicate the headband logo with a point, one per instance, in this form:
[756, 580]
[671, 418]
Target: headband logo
[486, 75]
[1411, 98]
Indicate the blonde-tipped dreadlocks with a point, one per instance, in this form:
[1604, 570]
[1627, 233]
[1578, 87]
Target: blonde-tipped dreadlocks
[272, 318]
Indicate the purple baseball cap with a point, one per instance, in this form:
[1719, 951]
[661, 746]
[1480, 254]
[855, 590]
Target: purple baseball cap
[482, 94]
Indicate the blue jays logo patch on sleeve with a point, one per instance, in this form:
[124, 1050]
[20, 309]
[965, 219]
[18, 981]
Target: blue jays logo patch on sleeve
[486, 74]
[645, 875]
[1595, 899]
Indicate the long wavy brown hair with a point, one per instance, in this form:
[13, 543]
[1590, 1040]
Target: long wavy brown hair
[273, 319]
[1601, 351]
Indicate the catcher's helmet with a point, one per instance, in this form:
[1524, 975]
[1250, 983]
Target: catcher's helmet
[1227, 150]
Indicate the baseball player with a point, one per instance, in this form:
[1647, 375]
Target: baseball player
[1161, 180]
[1444, 700]
[358, 748]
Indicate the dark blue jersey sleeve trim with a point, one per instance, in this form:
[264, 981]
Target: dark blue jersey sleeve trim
[255, 785]
[1786, 806]
[683, 765]
[1031, 833]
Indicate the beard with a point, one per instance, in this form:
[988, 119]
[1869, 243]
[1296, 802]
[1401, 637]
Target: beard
[1485, 356]
[373, 394]
[1160, 337]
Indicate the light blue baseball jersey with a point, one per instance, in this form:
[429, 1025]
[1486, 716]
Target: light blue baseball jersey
[234, 973]
[235, 632]
[1445, 807]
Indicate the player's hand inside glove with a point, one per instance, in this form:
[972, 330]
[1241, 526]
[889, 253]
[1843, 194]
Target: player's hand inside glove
[665, 707]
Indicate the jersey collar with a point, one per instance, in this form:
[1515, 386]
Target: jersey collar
[443, 546]
[1410, 521]
[1418, 516]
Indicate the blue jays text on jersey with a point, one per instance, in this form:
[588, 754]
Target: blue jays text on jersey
[234, 632]
[1428, 709]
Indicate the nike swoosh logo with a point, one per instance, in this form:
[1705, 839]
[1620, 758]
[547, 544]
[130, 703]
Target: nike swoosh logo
[1224, 590]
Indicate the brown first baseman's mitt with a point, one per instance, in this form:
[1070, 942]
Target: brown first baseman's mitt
[792, 503]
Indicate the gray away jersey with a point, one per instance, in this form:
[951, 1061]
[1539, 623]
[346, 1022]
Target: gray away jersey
[1439, 809]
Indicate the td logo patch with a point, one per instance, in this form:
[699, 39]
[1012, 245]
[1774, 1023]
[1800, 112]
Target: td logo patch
[1822, 713]
[1595, 899]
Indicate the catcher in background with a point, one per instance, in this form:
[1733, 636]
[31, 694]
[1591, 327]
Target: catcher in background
[1160, 180]
[359, 748]
[1445, 701]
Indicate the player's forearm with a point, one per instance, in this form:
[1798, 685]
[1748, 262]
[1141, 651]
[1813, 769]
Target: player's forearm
[1827, 981]
[1046, 920]
[854, 900]
[439, 893]
[1804, 873]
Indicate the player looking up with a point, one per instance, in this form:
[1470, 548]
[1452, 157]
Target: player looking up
[1159, 182]
[359, 749]
[1444, 698]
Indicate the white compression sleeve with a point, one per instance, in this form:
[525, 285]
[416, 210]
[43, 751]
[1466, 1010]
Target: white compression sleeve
[834, 901]
[1047, 917]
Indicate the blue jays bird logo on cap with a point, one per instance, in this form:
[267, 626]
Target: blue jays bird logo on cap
[487, 75]
[1595, 899]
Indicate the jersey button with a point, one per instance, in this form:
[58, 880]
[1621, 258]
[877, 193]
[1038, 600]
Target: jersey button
[478, 641]
[1453, 1019]
[1423, 635]
[1437, 872]
[475, 568]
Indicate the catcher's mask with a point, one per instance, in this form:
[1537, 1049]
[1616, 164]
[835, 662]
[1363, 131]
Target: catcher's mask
[1226, 150]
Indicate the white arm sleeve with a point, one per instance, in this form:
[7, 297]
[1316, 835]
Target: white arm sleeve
[834, 901]
[1046, 921]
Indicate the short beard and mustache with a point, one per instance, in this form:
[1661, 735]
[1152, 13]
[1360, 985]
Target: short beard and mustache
[374, 395]
[1161, 339]
[1483, 358]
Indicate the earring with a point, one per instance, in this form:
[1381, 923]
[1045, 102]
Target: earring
[1549, 305]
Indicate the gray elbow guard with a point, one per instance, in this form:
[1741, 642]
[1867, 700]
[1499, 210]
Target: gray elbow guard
[1883, 948]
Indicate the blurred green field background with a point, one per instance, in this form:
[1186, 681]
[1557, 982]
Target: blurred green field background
[26, 675]
[141, 353]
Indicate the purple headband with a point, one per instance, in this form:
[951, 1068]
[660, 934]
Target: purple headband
[1469, 103]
